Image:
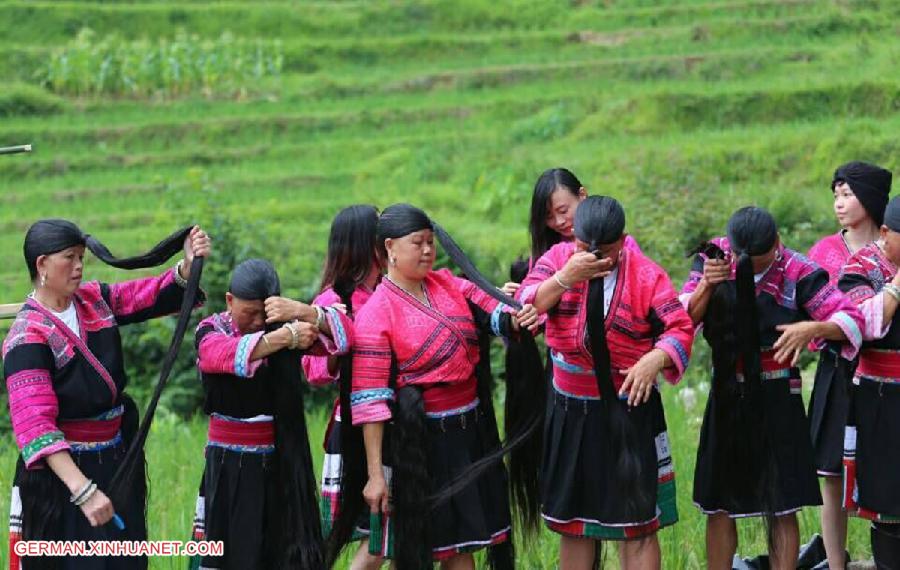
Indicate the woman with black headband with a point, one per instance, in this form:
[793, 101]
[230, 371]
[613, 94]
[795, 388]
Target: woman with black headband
[872, 437]
[416, 345]
[760, 304]
[614, 324]
[65, 375]
[258, 494]
[352, 270]
[860, 195]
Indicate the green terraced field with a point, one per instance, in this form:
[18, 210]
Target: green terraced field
[684, 110]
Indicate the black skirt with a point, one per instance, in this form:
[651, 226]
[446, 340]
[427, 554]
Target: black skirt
[577, 490]
[70, 523]
[828, 410]
[236, 496]
[872, 464]
[475, 518]
[790, 468]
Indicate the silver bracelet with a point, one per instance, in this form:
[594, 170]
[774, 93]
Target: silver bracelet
[179, 280]
[295, 335]
[80, 492]
[87, 496]
[560, 283]
[893, 291]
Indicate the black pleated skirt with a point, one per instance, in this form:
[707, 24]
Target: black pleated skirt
[786, 464]
[236, 493]
[871, 458]
[578, 492]
[475, 518]
[828, 410]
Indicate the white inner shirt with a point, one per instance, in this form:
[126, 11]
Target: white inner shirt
[609, 288]
[69, 317]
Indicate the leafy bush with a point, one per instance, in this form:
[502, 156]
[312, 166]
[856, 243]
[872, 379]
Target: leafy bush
[89, 65]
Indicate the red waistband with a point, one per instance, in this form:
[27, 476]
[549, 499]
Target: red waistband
[767, 362]
[879, 363]
[443, 397]
[231, 432]
[90, 431]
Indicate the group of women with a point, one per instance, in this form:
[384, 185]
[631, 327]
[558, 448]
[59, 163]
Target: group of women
[415, 470]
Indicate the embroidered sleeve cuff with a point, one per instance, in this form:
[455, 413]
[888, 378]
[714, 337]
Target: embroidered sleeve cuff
[339, 342]
[496, 322]
[873, 314]
[243, 367]
[679, 356]
[370, 406]
[42, 446]
[851, 331]
[316, 370]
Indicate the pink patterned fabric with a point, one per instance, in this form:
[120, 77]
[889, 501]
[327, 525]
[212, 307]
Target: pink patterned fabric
[224, 350]
[435, 347]
[130, 297]
[864, 275]
[33, 410]
[644, 314]
[316, 367]
[831, 254]
[780, 283]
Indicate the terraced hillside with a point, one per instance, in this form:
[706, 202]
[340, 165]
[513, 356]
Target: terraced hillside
[682, 109]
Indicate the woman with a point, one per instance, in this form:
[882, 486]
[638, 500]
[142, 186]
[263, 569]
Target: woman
[65, 376]
[257, 494]
[871, 467]
[417, 345]
[614, 324]
[556, 196]
[352, 270]
[760, 303]
[860, 196]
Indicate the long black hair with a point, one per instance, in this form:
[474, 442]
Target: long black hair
[410, 479]
[551, 180]
[294, 532]
[41, 492]
[731, 327]
[600, 220]
[351, 254]
[351, 247]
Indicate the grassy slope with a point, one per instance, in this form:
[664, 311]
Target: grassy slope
[683, 110]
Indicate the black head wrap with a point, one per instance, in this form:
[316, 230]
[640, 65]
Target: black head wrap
[46, 237]
[892, 215]
[599, 220]
[871, 184]
[254, 280]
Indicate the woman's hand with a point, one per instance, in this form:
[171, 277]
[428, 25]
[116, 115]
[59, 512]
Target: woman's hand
[283, 310]
[716, 271]
[98, 509]
[793, 338]
[526, 318]
[196, 244]
[308, 334]
[583, 266]
[510, 288]
[641, 378]
[377, 495]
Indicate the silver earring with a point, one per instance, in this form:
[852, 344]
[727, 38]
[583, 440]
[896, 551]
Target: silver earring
[393, 261]
[43, 279]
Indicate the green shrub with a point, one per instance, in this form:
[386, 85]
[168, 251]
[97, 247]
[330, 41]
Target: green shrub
[22, 100]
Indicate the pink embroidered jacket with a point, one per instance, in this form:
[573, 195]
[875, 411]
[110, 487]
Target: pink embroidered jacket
[831, 254]
[644, 313]
[434, 346]
[54, 375]
[231, 378]
[792, 289]
[316, 367]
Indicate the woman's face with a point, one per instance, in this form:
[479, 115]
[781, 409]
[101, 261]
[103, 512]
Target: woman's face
[763, 261]
[60, 273]
[609, 251]
[847, 207]
[248, 316]
[561, 210]
[412, 256]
